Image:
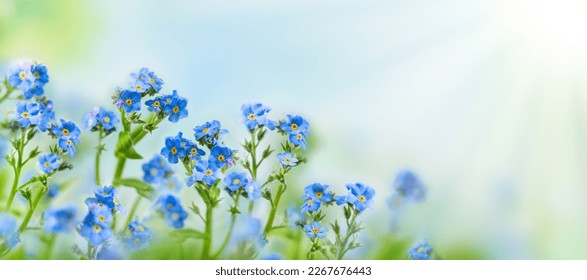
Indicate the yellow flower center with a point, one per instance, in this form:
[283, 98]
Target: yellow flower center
[47, 164]
[397, 202]
[169, 206]
[141, 228]
[168, 100]
[205, 130]
[128, 102]
[116, 202]
[251, 116]
[106, 119]
[173, 150]
[156, 104]
[208, 172]
[315, 230]
[175, 216]
[183, 144]
[65, 131]
[68, 142]
[151, 80]
[421, 249]
[319, 194]
[137, 241]
[300, 137]
[25, 114]
[22, 75]
[194, 151]
[36, 74]
[97, 228]
[236, 181]
[251, 189]
[362, 198]
[287, 160]
[101, 218]
[138, 87]
[310, 202]
[294, 126]
[154, 171]
[220, 158]
[171, 185]
[175, 109]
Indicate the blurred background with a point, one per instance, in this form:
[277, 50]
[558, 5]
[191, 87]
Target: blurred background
[484, 100]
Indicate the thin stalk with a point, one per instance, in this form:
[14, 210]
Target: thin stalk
[49, 248]
[17, 171]
[131, 214]
[274, 206]
[97, 161]
[208, 231]
[230, 229]
[31, 210]
[342, 250]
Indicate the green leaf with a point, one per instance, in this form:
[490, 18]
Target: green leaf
[184, 234]
[142, 188]
[125, 147]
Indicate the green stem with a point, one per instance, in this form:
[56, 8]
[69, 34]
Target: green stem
[89, 252]
[17, 171]
[97, 161]
[131, 214]
[274, 206]
[208, 232]
[230, 229]
[119, 168]
[32, 208]
[6, 95]
[49, 248]
[342, 250]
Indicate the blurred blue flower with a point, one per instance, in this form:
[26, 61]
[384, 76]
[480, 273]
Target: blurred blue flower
[220, 156]
[171, 207]
[95, 227]
[293, 216]
[170, 184]
[253, 190]
[287, 159]
[314, 230]
[422, 251]
[53, 190]
[204, 171]
[235, 181]
[173, 149]
[108, 252]
[176, 109]
[272, 257]
[8, 230]
[359, 194]
[3, 148]
[107, 196]
[155, 170]
[59, 219]
[90, 120]
[409, 185]
[140, 235]
[255, 114]
[130, 100]
[48, 162]
[246, 228]
[26, 114]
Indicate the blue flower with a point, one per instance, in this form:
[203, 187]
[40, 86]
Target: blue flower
[8, 230]
[59, 219]
[21, 77]
[194, 152]
[171, 207]
[130, 100]
[171, 184]
[96, 227]
[26, 114]
[68, 145]
[108, 252]
[253, 190]
[155, 170]
[155, 105]
[136, 227]
[220, 156]
[409, 185]
[359, 194]
[310, 205]
[255, 114]
[40, 73]
[66, 130]
[108, 196]
[139, 86]
[90, 120]
[235, 181]
[287, 159]
[318, 192]
[173, 149]
[422, 251]
[204, 171]
[147, 79]
[208, 129]
[246, 228]
[46, 116]
[314, 230]
[396, 201]
[293, 216]
[298, 129]
[49, 162]
[107, 119]
[176, 108]
[53, 190]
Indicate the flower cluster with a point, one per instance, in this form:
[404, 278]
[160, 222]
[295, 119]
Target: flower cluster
[59, 220]
[359, 195]
[68, 134]
[170, 206]
[8, 231]
[96, 226]
[100, 118]
[158, 172]
[314, 195]
[30, 78]
[140, 235]
[297, 129]
[422, 251]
